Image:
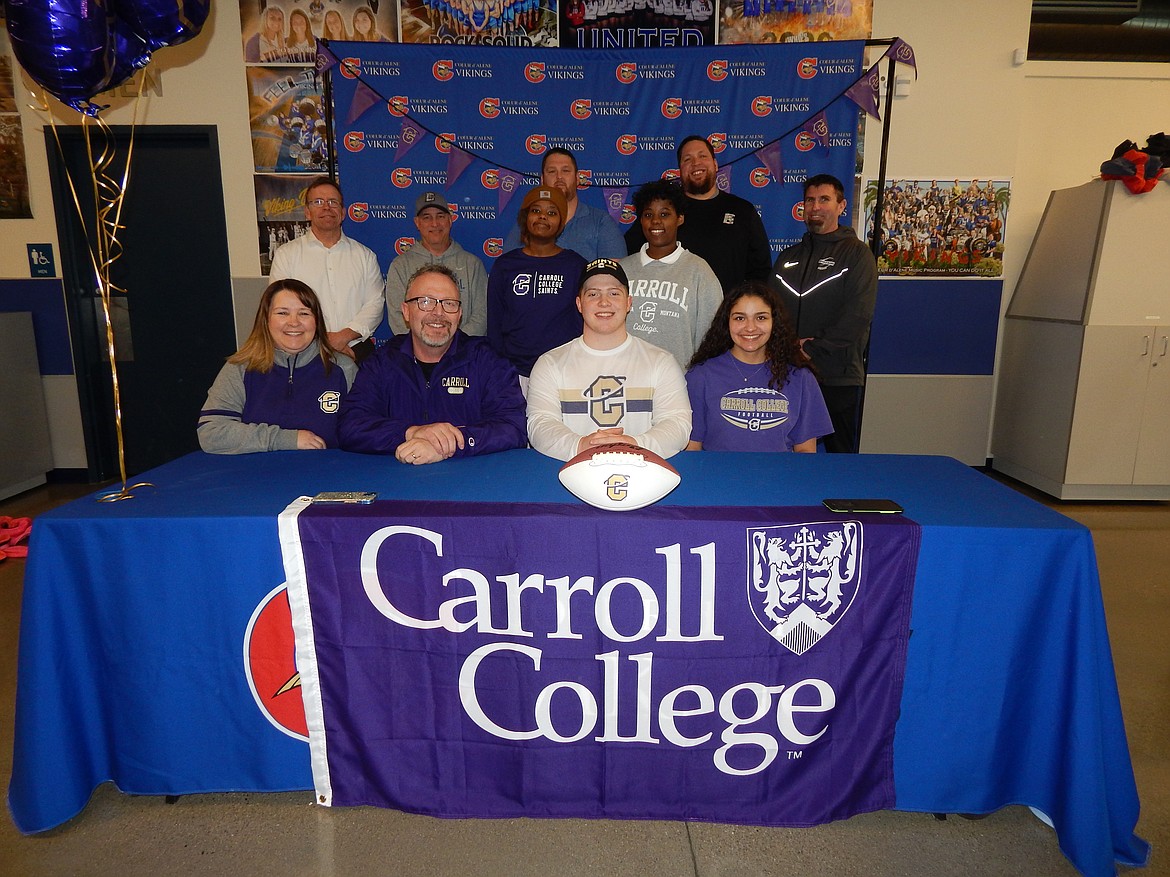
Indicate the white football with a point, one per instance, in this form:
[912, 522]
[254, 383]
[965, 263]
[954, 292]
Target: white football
[619, 477]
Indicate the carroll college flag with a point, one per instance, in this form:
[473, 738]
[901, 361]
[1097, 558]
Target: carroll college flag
[723, 664]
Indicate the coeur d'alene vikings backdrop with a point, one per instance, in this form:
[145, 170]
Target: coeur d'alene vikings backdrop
[474, 122]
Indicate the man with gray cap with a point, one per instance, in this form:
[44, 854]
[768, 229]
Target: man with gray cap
[433, 217]
[607, 386]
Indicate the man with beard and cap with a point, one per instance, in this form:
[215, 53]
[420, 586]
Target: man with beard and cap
[531, 289]
[588, 231]
[435, 392]
[607, 386]
[721, 228]
[828, 283]
[435, 246]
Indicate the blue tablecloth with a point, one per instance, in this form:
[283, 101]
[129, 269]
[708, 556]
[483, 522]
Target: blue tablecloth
[135, 615]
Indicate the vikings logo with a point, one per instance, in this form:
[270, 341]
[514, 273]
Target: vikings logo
[534, 72]
[672, 107]
[359, 211]
[535, 144]
[443, 70]
[444, 142]
[398, 105]
[760, 177]
[762, 105]
[806, 68]
[718, 141]
[628, 214]
[490, 178]
[626, 73]
[493, 247]
[803, 578]
[355, 141]
[627, 144]
[489, 107]
[403, 244]
[717, 71]
[351, 68]
[671, 175]
[804, 141]
[798, 211]
[400, 177]
[582, 108]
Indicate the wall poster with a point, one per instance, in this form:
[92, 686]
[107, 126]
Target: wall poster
[940, 228]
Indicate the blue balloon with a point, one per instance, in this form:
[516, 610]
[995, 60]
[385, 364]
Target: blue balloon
[66, 46]
[163, 22]
[130, 54]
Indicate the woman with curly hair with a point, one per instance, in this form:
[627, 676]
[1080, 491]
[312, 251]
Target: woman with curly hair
[751, 386]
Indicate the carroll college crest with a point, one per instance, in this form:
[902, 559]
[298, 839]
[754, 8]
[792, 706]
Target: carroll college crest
[802, 579]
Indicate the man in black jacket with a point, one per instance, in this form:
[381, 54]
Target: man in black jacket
[828, 282]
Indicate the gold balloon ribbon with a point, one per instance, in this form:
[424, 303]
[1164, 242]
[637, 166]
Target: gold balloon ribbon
[104, 246]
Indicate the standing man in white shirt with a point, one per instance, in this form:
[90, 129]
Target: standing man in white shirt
[607, 386]
[344, 274]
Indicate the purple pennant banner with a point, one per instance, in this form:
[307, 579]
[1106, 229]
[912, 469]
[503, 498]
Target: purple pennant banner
[363, 98]
[816, 130]
[326, 59]
[457, 162]
[722, 664]
[865, 91]
[903, 53]
[510, 182]
[408, 135]
[616, 201]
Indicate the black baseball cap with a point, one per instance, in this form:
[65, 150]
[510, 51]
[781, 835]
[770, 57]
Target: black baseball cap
[612, 267]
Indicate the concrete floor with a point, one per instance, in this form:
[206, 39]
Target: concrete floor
[285, 834]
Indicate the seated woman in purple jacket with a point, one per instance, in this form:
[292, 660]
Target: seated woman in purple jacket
[282, 390]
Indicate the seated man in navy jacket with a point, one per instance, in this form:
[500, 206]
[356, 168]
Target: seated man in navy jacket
[434, 392]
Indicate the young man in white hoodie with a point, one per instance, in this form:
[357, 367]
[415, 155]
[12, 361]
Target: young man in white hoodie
[607, 387]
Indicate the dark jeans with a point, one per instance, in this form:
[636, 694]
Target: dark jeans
[844, 404]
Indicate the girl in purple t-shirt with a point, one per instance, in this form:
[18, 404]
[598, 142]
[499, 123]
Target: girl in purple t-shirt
[750, 384]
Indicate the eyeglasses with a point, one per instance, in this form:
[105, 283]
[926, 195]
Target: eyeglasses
[321, 202]
[426, 304]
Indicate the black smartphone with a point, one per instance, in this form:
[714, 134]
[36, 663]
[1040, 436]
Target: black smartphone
[862, 506]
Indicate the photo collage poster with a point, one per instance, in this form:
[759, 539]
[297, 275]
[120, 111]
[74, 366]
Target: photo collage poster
[940, 228]
[290, 140]
[14, 195]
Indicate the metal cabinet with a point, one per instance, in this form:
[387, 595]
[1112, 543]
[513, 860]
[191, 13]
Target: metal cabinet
[1083, 400]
